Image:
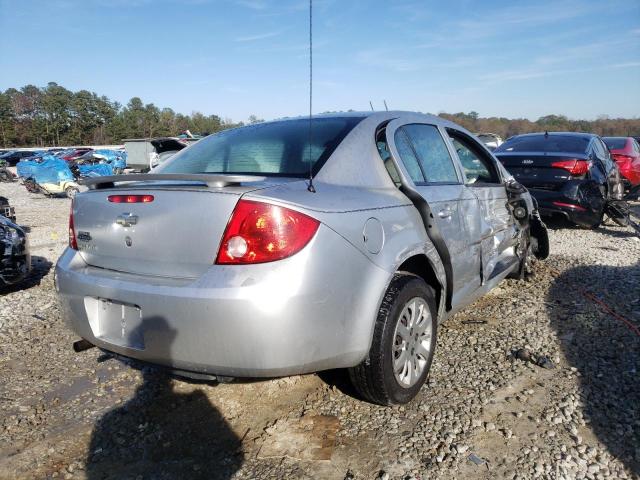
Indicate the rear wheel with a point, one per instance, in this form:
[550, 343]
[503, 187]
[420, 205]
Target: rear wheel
[71, 192]
[598, 221]
[403, 345]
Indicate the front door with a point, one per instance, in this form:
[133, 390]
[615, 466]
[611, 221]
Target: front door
[488, 219]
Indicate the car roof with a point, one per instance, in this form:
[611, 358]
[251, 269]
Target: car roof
[558, 134]
[381, 116]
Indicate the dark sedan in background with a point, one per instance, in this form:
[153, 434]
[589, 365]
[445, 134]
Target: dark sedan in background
[569, 174]
[12, 157]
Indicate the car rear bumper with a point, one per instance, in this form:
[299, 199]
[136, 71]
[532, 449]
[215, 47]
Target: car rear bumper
[313, 311]
[630, 176]
[578, 209]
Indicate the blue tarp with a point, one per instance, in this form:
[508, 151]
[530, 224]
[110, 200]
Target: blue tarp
[48, 169]
[97, 170]
[117, 158]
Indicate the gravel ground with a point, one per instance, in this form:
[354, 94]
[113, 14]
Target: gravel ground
[489, 410]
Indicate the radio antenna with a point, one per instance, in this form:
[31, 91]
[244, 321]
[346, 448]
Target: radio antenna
[371, 105]
[310, 186]
[385, 105]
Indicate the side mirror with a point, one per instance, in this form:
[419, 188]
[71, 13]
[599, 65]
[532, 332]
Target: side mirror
[515, 188]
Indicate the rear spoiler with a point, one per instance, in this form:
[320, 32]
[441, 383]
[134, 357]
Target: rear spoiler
[212, 180]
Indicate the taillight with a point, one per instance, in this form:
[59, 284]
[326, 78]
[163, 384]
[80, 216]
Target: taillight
[573, 166]
[130, 198]
[619, 158]
[260, 232]
[72, 231]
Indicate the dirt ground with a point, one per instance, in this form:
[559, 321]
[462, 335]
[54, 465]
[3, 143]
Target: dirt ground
[488, 411]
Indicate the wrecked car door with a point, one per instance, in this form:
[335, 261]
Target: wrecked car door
[487, 219]
[437, 179]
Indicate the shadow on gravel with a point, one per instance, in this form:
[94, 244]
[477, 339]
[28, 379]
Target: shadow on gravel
[606, 228]
[160, 433]
[40, 267]
[339, 379]
[605, 351]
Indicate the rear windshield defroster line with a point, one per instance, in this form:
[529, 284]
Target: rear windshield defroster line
[279, 149]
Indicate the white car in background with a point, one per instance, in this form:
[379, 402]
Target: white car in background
[490, 140]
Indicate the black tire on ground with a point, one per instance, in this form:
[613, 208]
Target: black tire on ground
[597, 224]
[71, 192]
[374, 378]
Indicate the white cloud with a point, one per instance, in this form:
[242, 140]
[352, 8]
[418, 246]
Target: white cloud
[259, 36]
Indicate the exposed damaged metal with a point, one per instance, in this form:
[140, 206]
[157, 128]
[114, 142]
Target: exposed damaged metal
[15, 262]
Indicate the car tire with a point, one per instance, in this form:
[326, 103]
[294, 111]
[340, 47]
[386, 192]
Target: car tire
[598, 223]
[409, 302]
[71, 192]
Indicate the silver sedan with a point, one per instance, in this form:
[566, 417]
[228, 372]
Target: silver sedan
[298, 245]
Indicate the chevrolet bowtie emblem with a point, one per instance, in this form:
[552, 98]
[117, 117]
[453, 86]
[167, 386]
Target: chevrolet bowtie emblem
[127, 219]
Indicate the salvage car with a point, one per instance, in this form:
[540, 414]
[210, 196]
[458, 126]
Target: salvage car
[146, 153]
[490, 140]
[6, 210]
[295, 246]
[625, 151]
[570, 174]
[12, 157]
[15, 261]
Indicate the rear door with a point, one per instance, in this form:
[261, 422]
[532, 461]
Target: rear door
[426, 157]
[485, 213]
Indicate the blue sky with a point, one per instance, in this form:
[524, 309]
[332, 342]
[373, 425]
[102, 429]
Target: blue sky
[235, 58]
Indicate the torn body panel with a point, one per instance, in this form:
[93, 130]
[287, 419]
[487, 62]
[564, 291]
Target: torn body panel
[15, 262]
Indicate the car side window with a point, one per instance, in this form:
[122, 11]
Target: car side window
[600, 152]
[432, 153]
[636, 146]
[478, 169]
[385, 155]
[408, 156]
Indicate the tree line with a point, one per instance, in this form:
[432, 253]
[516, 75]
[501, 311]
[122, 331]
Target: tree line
[505, 127]
[53, 115]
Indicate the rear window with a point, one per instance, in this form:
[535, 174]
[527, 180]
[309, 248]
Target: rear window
[273, 149]
[615, 143]
[548, 143]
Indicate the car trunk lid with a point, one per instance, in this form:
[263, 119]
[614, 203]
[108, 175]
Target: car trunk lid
[544, 171]
[175, 234]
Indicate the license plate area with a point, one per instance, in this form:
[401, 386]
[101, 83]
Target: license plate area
[115, 322]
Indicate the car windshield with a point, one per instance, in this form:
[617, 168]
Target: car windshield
[278, 148]
[545, 143]
[7, 154]
[615, 143]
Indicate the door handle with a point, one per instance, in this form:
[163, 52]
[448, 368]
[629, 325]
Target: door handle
[445, 213]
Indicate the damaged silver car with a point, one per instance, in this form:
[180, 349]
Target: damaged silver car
[298, 245]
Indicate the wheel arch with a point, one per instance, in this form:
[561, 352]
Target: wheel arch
[422, 266]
